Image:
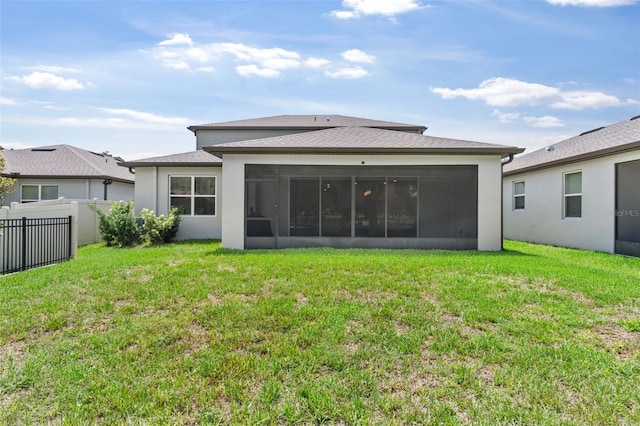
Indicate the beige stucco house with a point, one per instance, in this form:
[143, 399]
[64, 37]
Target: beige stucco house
[582, 192]
[329, 180]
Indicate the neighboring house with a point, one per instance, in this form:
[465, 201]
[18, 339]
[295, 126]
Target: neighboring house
[50, 172]
[583, 192]
[318, 180]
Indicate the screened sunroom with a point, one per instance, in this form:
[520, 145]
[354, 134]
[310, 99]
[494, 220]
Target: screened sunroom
[361, 206]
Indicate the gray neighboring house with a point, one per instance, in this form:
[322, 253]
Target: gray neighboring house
[329, 180]
[582, 192]
[50, 172]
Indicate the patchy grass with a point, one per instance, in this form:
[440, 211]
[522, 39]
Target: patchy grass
[190, 333]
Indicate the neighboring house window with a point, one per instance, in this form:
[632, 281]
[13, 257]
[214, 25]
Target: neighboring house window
[33, 193]
[518, 195]
[573, 194]
[193, 195]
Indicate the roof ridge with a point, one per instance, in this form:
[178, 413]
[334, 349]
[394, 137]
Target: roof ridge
[93, 166]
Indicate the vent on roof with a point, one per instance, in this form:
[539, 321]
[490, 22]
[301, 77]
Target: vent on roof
[633, 118]
[43, 149]
[549, 148]
[591, 131]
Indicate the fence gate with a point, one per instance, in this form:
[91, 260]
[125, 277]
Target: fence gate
[29, 243]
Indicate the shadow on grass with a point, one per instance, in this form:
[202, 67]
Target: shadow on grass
[359, 252]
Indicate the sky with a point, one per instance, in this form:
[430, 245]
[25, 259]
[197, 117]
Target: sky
[129, 77]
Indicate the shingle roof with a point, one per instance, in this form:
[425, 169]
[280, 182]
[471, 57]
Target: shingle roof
[618, 137]
[193, 158]
[362, 140]
[307, 122]
[62, 161]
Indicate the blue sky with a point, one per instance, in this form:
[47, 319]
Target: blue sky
[129, 77]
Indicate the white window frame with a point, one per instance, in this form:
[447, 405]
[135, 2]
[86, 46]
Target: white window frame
[39, 185]
[566, 195]
[193, 196]
[519, 195]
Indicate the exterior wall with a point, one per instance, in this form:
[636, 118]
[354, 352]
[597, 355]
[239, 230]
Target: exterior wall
[489, 177]
[541, 220]
[152, 192]
[78, 189]
[214, 137]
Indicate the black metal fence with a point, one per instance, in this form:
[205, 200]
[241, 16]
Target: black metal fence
[30, 243]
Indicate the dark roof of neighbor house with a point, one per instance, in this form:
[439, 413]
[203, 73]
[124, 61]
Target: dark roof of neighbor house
[62, 161]
[361, 140]
[306, 122]
[615, 138]
[193, 158]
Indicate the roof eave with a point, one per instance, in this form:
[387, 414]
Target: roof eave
[581, 157]
[352, 150]
[195, 128]
[23, 176]
[130, 164]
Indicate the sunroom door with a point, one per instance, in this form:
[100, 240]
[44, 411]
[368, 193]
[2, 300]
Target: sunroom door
[261, 212]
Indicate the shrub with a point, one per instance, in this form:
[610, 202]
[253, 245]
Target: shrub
[118, 227]
[159, 229]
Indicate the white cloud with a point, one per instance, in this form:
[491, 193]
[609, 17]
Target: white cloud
[146, 117]
[500, 91]
[177, 39]
[581, 100]
[254, 71]
[545, 122]
[357, 55]
[54, 69]
[592, 3]
[348, 72]
[8, 101]
[313, 62]
[632, 101]
[45, 80]
[177, 65]
[505, 117]
[387, 8]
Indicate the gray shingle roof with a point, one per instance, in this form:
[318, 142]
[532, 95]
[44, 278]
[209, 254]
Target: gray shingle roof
[362, 140]
[307, 122]
[618, 137]
[62, 161]
[193, 158]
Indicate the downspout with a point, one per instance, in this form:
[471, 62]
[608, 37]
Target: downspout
[106, 184]
[510, 159]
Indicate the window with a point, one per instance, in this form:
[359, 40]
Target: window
[193, 195]
[336, 207]
[518, 195]
[33, 193]
[573, 194]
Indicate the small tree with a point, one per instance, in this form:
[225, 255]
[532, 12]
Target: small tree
[7, 184]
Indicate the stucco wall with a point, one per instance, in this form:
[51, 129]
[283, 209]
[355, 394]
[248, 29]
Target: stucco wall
[78, 189]
[541, 221]
[214, 137]
[152, 192]
[489, 187]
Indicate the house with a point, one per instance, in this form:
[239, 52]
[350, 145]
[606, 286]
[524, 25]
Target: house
[329, 180]
[582, 192]
[50, 172]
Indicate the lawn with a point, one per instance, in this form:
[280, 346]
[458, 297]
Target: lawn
[190, 333]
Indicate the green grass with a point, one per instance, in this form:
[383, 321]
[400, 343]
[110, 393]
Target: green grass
[190, 333]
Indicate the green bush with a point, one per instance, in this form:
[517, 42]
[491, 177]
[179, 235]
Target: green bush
[119, 227]
[159, 229]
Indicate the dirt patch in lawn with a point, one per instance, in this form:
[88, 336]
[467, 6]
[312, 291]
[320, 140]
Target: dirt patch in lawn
[619, 340]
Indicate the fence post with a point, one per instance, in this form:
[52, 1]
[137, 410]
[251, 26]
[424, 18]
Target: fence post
[69, 237]
[23, 263]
